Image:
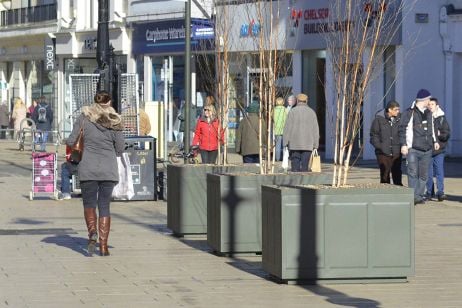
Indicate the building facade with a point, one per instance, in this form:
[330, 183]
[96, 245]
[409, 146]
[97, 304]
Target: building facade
[27, 50]
[41, 43]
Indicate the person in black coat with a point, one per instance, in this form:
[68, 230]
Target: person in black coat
[417, 139]
[436, 168]
[385, 139]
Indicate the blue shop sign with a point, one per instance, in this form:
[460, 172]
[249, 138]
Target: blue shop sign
[169, 36]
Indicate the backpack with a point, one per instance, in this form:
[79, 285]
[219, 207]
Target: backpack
[42, 113]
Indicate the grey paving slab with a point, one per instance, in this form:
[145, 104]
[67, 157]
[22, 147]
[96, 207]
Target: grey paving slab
[43, 262]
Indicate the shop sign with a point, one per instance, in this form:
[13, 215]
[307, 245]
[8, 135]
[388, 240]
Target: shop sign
[252, 29]
[319, 18]
[50, 53]
[169, 36]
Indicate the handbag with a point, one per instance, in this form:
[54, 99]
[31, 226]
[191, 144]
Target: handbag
[124, 190]
[77, 148]
[315, 161]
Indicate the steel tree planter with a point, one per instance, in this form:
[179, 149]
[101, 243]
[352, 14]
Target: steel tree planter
[342, 234]
[187, 196]
[234, 207]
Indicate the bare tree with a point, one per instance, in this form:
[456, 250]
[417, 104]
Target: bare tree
[262, 47]
[273, 62]
[357, 36]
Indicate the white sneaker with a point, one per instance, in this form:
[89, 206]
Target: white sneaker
[66, 196]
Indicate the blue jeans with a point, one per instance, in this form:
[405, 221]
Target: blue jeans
[436, 169]
[278, 149]
[300, 160]
[67, 170]
[417, 171]
[41, 138]
[97, 193]
[65, 179]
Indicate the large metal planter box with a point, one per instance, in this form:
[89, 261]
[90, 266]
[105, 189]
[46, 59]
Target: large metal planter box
[234, 207]
[346, 234]
[187, 196]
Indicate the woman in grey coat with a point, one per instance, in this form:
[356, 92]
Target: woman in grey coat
[98, 174]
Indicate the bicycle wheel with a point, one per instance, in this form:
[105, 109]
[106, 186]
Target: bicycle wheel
[172, 155]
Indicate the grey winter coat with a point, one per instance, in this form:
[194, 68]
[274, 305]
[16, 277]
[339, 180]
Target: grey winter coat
[101, 146]
[301, 131]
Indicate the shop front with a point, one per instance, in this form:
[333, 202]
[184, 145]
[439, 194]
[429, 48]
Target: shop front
[76, 54]
[158, 49]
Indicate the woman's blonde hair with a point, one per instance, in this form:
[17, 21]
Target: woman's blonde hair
[18, 103]
[279, 101]
[213, 110]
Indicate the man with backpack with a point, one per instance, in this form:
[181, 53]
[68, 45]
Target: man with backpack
[43, 118]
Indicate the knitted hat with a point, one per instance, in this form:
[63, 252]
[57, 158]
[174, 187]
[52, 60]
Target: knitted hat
[423, 94]
[254, 107]
[302, 98]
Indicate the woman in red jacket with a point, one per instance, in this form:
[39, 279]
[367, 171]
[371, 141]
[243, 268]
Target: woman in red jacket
[206, 135]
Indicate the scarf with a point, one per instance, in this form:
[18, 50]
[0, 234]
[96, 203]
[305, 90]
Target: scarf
[104, 116]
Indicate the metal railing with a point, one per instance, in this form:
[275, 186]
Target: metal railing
[28, 15]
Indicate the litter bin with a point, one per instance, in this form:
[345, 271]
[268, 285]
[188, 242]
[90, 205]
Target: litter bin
[142, 153]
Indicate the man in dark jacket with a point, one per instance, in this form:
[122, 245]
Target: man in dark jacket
[417, 139]
[43, 118]
[442, 133]
[385, 139]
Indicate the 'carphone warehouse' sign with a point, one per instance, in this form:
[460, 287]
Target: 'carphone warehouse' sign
[169, 36]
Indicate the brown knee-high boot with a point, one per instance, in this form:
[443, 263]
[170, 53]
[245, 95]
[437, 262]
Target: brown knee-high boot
[90, 219]
[104, 227]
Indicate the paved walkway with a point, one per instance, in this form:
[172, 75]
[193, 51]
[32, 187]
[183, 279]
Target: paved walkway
[43, 263]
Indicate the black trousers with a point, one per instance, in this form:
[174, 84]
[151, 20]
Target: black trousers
[209, 157]
[97, 193]
[390, 164]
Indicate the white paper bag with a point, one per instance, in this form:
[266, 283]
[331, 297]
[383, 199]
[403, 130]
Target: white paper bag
[285, 159]
[124, 189]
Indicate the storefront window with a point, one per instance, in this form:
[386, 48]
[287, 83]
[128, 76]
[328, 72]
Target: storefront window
[39, 82]
[389, 72]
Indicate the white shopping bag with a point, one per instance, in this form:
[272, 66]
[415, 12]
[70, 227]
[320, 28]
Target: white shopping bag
[285, 159]
[124, 189]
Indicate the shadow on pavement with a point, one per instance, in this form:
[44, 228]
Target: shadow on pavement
[338, 298]
[454, 198]
[27, 221]
[76, 244]
[196, 243]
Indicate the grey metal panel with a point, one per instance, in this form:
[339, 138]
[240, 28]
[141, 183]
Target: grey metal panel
[346, 234]
[239, 222]
[370, 236]
[187, 196]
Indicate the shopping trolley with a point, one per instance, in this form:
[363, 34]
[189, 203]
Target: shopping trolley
[44, 175]
[27, 131]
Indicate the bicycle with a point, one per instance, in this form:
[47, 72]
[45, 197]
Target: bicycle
[178, 155]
